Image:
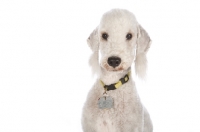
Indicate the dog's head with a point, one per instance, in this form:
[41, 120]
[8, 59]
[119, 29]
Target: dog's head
[121, 41]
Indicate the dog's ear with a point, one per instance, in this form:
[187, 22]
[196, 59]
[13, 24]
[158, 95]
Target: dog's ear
[93, 43]
[143, 44]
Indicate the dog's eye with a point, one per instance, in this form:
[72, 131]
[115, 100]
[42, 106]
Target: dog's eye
[128, 36]
[105, 36]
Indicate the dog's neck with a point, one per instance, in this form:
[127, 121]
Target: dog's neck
[110, 77]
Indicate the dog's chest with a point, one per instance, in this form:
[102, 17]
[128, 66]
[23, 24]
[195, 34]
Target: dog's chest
[114, 119]
[111, 118]
[124, 110]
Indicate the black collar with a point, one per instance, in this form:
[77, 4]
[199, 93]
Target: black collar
[118, 84]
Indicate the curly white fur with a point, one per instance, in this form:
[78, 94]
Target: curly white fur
[128, 114]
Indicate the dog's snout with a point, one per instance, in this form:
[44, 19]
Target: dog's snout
[114, 61]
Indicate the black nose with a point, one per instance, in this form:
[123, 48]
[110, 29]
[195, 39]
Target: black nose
[114, 61]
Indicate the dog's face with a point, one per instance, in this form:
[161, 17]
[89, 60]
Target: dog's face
[117, 34]
[120, 39]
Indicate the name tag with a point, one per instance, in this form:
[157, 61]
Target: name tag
[105, 102]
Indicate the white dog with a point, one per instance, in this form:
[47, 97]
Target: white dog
[113, 104]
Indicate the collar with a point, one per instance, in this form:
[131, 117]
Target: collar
[118, 84]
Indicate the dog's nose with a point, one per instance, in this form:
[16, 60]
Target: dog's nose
[114, 61]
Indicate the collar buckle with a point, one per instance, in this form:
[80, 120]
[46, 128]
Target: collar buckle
[125, 79]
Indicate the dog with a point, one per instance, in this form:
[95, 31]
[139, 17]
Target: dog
[113, 104]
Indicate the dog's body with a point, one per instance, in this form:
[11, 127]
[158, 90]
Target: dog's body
[121, 40]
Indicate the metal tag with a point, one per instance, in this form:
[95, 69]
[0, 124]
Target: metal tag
[105, 102]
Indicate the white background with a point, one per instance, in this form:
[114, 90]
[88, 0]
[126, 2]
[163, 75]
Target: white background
[44, 71]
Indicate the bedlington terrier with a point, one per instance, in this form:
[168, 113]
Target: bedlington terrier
[113, 104]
